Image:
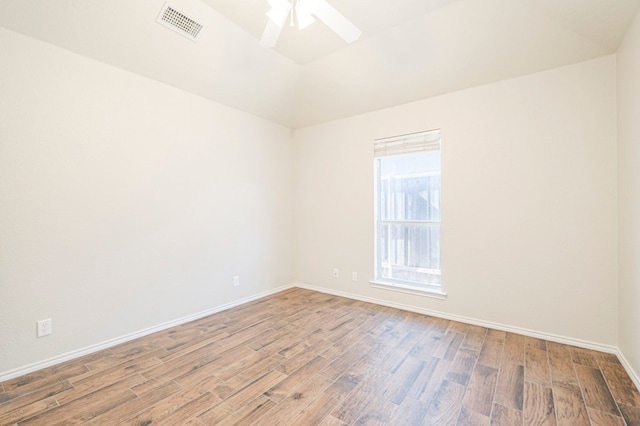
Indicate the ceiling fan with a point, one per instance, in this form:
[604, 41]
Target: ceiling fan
[303, 12]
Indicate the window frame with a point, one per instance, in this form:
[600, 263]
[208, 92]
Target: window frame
[410, 287]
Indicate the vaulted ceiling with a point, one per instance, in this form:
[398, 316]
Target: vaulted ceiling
[409, 49]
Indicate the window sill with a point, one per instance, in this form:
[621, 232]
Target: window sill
[435, 293]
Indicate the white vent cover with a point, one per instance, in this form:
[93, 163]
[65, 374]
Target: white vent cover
[179, 22]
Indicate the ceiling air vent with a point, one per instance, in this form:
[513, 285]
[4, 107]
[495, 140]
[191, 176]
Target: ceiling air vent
[179, 22]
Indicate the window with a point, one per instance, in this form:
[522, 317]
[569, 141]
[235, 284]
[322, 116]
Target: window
[407, 213]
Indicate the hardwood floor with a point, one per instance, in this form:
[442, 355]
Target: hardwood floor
[306, 358]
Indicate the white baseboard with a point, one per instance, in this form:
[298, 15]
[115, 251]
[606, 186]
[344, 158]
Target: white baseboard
[630, 371]
[488, 324]
[7, 375]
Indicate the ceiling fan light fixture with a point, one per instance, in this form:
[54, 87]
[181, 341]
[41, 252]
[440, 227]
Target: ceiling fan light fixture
[304, 11]
[304, 20]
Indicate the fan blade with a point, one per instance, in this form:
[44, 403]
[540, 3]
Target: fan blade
[336, 21]
[277, 15]
[271, 34]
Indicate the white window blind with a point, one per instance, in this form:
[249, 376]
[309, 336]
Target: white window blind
[407, 144]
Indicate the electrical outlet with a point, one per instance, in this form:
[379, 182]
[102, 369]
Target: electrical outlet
[236, 280]
[44, 327]
[354, 276]
[336, 273]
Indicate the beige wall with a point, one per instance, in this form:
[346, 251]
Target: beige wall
[629, 195]
[125, 203]
[529, 201]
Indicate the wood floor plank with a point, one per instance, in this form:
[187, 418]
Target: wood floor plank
[536, 368]
[138, 363]
[380, 413]
[598, 418]
[342, 387]
[285, 337]
[425, 348]
[96, 384]
[505, 416]
[583, 357]
[561, 364]
[462, 366]
[162, 409]
[198, 348]
[448, 348]
[474, 338]
[606, 358]
[569, 405]
[361, 334]
[514, 349]
[595, 391]
[258, 387]
[110, 359]
[82, 410]
[498, 334]
[295, 403]
[397, 356]
[134, 406]
[510, 386]
[291, 382]
[336, 368]
[242, 337]
[220, 412]
[234, 362]
[402, 380]
[246, 415]
[268, 339]
[331, 421]
[429, 380]
[380, 344]
[538, 405]
[33, 397]
[630, 414]
[534, 343]
[306, 358]
[315, 412]
[491, 352]
[481, 390]
[350, 409]
[24, 385]
[202, 378]
[302, 343]
[621, 385]
[472, 418]
[410, 412]
[189, 411]
[27, 411]
[446, 405]
[346, 327]
[318, 348]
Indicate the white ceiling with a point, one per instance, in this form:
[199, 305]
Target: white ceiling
[409, 49]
